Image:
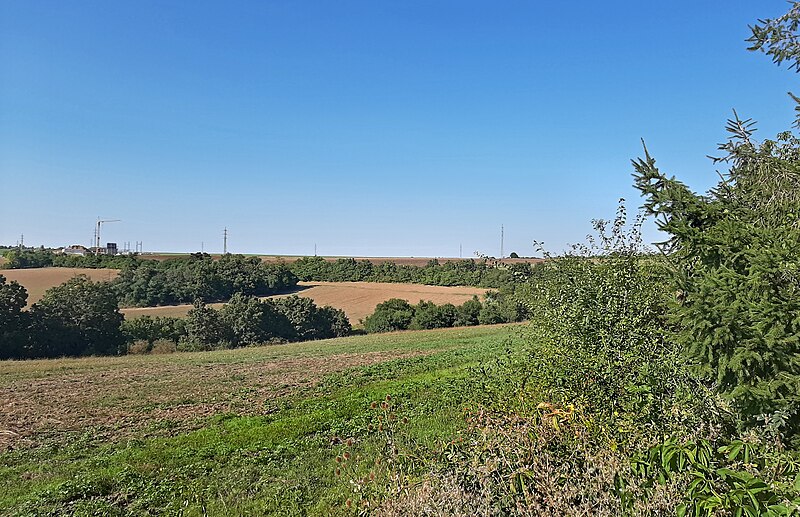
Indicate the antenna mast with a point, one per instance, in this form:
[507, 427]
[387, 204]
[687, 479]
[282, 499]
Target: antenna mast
[502, 238]
[225, 241]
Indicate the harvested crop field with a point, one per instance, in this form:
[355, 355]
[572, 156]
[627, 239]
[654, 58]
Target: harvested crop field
[356, 299]
[127, 396]
[37, 281]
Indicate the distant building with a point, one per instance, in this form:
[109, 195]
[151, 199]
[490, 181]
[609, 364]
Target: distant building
[75, 249]
[111, 248]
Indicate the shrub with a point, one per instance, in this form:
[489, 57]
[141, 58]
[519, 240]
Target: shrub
[389, 316]
[164, 346]
[598, 334]
[468, 313]
[428, 315]
[139, 347]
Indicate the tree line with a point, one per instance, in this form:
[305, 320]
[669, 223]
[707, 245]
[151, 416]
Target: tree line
[478, 273]
[81, 317]
[30, 258]
[396, 314]
[148, 283]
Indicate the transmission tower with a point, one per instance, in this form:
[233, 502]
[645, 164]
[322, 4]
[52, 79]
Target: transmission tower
[225, 241]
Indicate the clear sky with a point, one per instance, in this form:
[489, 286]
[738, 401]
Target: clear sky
[380, 128]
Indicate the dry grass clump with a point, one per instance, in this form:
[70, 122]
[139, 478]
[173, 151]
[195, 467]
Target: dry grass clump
[163, 346]
[139, 347]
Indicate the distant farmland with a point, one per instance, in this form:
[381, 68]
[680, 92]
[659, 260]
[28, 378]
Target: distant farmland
[37, 281]
[356, 299]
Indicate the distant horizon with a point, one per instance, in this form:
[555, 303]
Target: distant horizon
[282, 255]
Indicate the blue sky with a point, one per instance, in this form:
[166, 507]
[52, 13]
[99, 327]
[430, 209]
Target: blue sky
[368, 127]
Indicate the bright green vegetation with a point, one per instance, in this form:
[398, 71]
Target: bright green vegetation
[278, 460]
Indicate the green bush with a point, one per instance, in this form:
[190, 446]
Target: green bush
[599, 336]
[389, 316]
[151, 329]
[428, 315]
[78, 317]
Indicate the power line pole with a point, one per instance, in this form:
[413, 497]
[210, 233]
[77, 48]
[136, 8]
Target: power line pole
[225, 241]
[502, 238]
[315, 249]
[460, 251]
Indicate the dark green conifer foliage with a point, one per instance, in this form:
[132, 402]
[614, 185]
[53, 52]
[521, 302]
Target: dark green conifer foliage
[736, 264]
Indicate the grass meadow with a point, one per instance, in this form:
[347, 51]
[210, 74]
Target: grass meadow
[297, 429]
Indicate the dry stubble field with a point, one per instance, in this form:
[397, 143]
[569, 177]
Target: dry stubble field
[356, 299]
[37, 281]
[124, 396]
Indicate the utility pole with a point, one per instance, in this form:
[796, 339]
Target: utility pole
[502, 238]
[460, 251]
[22, 241]
[315, 249]
[202, 247]
[225, 241]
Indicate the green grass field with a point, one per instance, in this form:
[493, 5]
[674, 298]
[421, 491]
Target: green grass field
[253, 431]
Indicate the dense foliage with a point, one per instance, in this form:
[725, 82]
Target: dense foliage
[246, 321]
[41, 257]
[199, 277]
[396, 314]
[79, 317]
[736, 262]
[479, 273]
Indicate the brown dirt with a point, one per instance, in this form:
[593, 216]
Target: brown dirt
[37, 281]
[121, 397]
[356, 299]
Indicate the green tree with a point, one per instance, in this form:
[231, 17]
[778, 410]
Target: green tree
[310, 321]
[13, 321]
[468, 313]
[249, 321]
[204, 328]
[428, 315]
[78, 317]
[391, 315]
[736, 265]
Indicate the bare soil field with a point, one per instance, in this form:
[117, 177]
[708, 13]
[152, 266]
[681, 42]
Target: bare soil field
[356, 299]
[37, 281]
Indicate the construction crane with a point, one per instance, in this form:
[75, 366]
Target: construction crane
[97, 232]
